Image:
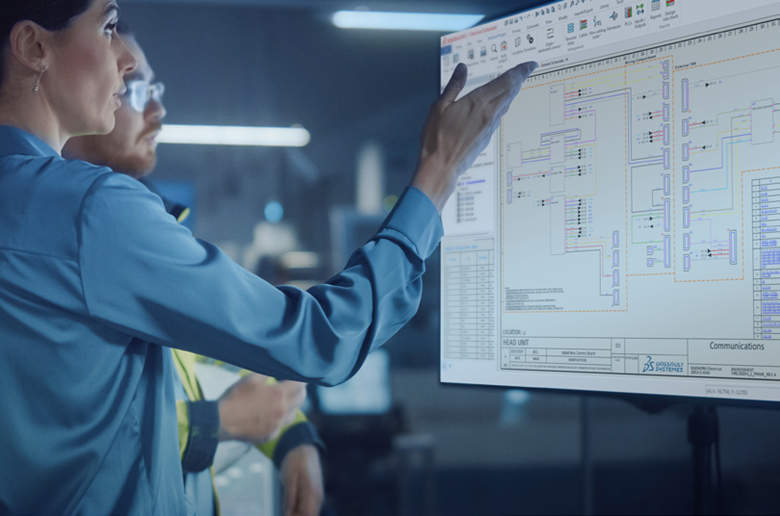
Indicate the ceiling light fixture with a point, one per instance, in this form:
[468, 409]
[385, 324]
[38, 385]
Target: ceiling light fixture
[404, 21]
[234, 135]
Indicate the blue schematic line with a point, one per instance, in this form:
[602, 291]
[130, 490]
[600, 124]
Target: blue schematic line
[723, 151]
[594, 99]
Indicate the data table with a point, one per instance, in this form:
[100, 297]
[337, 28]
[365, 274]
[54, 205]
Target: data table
[469, 302]
[766, 258]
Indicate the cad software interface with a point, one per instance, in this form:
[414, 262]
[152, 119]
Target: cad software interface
[621, 232]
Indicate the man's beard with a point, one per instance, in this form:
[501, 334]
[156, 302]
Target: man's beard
[135, 165]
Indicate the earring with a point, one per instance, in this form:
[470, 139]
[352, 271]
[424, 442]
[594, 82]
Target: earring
[38, 82]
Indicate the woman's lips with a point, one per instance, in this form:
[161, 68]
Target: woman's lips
[118, 96]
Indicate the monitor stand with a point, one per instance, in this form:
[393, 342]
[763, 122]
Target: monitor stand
[703, 436]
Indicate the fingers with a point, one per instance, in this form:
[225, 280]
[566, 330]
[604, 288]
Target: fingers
[290, 493]
[302, 474]
[456, 84]
[270, 437]
[517, 75]
[308, 506]
[295, 393]
[288, 418]
[512, 81]
[300, 398]
[520, 74]
[525, 69]
[507, 85]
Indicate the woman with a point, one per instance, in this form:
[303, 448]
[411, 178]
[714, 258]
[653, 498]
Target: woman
[97, 281]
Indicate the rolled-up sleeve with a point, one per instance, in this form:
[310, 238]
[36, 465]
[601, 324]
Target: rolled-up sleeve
[145, 275]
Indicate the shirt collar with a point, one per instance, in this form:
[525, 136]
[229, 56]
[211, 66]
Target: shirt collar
[14, 141]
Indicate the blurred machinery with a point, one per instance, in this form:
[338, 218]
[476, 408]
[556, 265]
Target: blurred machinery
[373, 466]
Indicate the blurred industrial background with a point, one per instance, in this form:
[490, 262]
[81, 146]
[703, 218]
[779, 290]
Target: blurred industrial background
[293, 214]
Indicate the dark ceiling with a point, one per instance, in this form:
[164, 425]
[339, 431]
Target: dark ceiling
[234, 56]
[487, 7]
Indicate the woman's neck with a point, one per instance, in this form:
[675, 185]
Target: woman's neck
[30, 112]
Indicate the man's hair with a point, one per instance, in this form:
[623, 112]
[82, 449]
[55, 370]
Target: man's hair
[50, 14]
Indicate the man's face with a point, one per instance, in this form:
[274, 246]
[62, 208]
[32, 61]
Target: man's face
[131, 147]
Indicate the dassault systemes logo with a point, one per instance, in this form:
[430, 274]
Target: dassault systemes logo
[662, 366]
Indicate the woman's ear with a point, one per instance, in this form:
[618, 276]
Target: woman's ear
[28, 43]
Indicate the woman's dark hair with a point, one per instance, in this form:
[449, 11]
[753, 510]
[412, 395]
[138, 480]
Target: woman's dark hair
[49, 14]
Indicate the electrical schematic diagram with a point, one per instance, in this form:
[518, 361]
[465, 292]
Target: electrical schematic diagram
[561, 180]
[726, 129]
[645, 204]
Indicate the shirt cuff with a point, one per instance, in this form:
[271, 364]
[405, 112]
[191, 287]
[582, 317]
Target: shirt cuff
[415, 216]
[203, 438]
[302, 433]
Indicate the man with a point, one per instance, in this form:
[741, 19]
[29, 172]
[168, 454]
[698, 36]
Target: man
[256, 409]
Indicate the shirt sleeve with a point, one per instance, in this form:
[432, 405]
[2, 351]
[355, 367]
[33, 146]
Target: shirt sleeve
[202, 436]
[145, 275]
[295, 436]
[299, 432]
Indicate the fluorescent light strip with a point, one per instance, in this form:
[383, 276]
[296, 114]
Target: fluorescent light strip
[233, 135]
[404, 21]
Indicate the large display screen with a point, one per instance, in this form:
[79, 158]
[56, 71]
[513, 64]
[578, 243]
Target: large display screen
[621, 232]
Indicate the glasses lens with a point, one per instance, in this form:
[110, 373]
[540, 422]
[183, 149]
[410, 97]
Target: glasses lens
[156, 91]
[137, 94]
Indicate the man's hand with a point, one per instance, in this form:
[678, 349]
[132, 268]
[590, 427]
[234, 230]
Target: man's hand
[457, 131]
[302, 480]
[255, 411]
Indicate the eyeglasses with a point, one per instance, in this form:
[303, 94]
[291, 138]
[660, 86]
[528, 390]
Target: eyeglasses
[139, 93]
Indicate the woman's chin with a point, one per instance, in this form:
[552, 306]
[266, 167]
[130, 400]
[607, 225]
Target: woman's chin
[106, 125]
